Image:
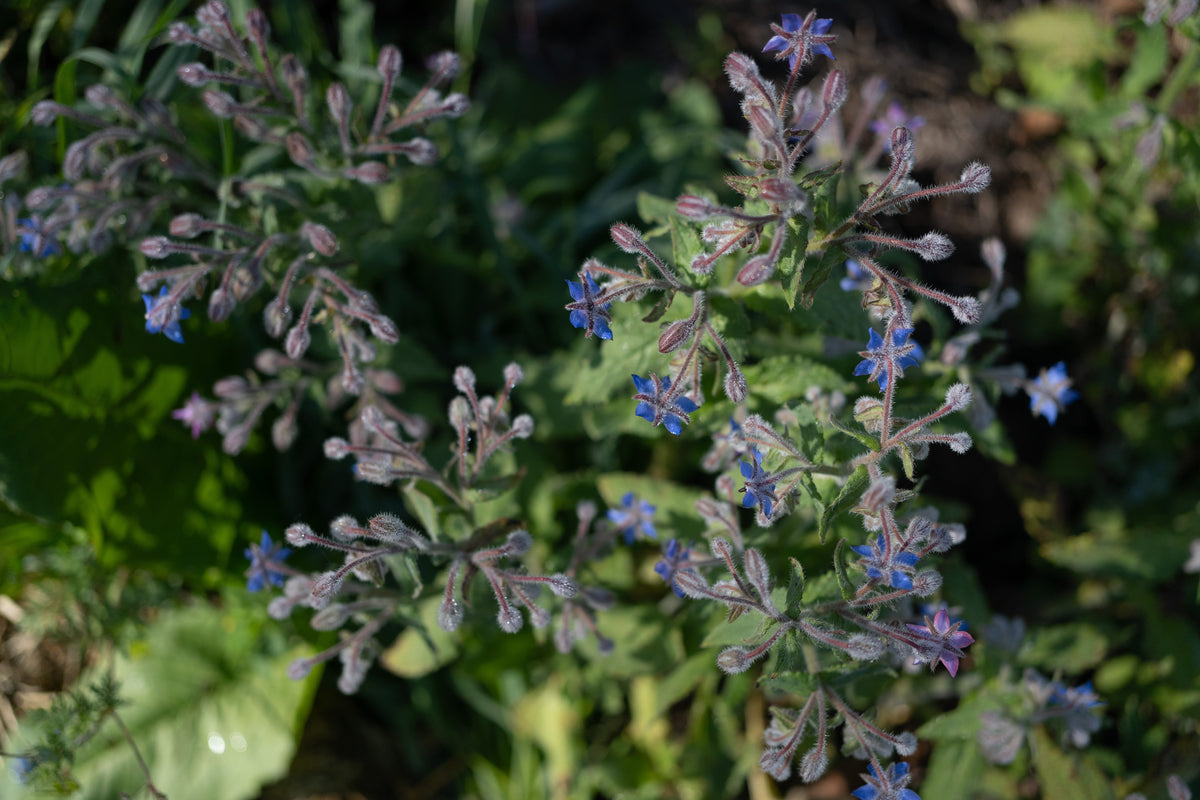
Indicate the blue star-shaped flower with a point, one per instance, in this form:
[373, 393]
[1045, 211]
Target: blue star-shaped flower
[1050, 392]
[656, 405]
[798, 41]
[894, 567]
[674, 560]
[160, 319]
[857, 279]
[34, 240]
[264, 558]
[760, 489]
[588, 312]
[890, 785]
[633, 517]
[900, 353]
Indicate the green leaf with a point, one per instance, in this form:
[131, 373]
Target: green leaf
[652, 208]
[1067, 774]
[1071, 648]
[840, 565]
[791, 260]
[208, 705]
[785, 378]
[795, 589]
[850, 492]
[800, 684]
[955, 768]
[95, 447]
[423, 647]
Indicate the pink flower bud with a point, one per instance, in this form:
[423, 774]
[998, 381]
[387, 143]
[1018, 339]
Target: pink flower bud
[220, 104]
[690, 206]
[676, 335]
[45, 112]
[338, 100]
[756, 271]
[276, 317]
[833, 92]
[368, 172]
[902, 144]
[194, 74]
[627, 238]
[320, 238]
[779, 190]
[742, 72]
[186, 226]
[934, 246]
[220, 304]
[257, 24]
[297, 342]
[155, 247]
[735, 385]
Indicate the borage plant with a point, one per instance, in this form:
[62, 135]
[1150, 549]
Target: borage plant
[753, 274]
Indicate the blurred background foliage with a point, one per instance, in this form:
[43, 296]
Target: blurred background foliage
[121, 539]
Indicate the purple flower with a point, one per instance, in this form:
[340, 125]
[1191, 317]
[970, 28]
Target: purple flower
[880, 356]
[1050, 392]
[857, 279]
[760, 489]
[265, 557]
[879, 564]
[657, 405]
[33, 240]
[589, 311]
[940, 640]
[632, 517]
[896, 117]
[890, 785]
[674, 561]
[163, 316]
[197, 413]
[797, 40]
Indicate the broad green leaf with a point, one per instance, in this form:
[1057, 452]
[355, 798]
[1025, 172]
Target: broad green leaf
[785, 378]
[420, 649]
[210, 707]
[96, 447]
[955, 767]
[791, 260]
[1067, 774]
[849, 494]
[795, 589]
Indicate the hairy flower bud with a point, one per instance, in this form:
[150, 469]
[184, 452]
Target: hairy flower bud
[420, 151]
[865, 647]
[960, 442]
[336, 448]
[756, 271]
[833, 92]
[284, 431]
[220, 304]
[627, 238]
[294, 74]
[389, 62]
[449, 615]
[338, 100]
[975, 177]
[155, 247]
[814, 763]
[299, 535]
[277, 315]
[446, 63]
[518, 542]
[742, 72]
[522, 426]
[257, 24]
[779, 190]
[958, 396]
[368, 172]
[297, 342]
[902, 144]
[692, 207]
[187, 226]
[879, 494]
[299, 668]
[75, 160]
[513, 374]
[194, 74]
[320, 238]
[45, 112]
[926, 582]
[509, 619]
[966, 309]
[221, 104]
[455, 104]
[300, 151]
[676, 335]
[734, 660]
[736, 387]
[934, 246]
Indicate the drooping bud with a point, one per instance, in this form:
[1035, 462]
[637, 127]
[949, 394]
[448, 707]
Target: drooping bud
[518, 542]
[194, 74]
[297, 342]
[865, 647]
[155, 247]
[449, 615]
[509, 619]
[513, 374]
[383, 329]
[220, 304]
[277, 315]
[294, 74]
[187, 226]
[960, 442]
[299, 535]
[338, 100]
[966, 309]
[45, 112]
[257, 24]
[742, 72]
[736, 388]
[320, 238]
[299, 149]
[336, 448]
[779, 190]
